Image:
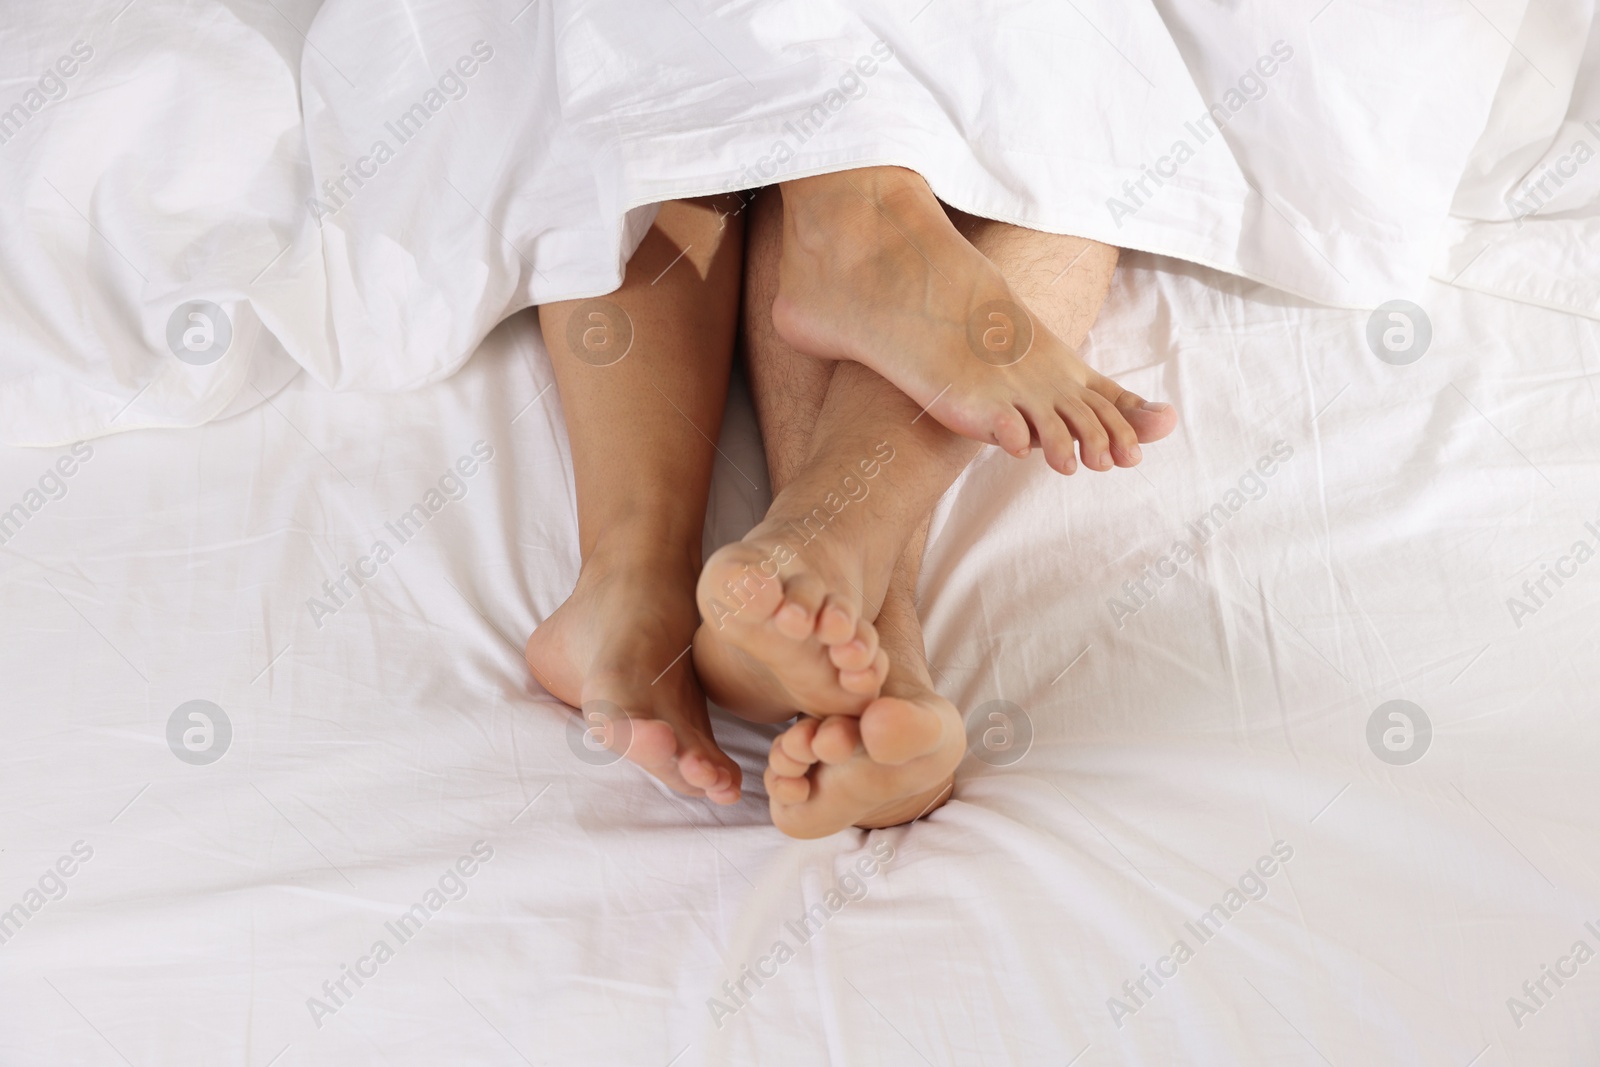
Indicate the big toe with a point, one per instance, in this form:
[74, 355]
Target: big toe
[1150, 421]
[896, 730]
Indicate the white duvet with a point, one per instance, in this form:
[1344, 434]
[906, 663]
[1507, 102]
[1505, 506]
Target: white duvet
[363, 191]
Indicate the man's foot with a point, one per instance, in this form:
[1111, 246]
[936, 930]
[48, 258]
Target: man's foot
[785, 631]
[615, 648]
[894, 764]
[872, 270]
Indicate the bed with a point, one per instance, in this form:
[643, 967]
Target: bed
[1282, 746]
[1150, 759]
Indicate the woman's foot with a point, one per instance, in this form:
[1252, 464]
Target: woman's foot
[872, 270]
[615, 648]
[894, 764]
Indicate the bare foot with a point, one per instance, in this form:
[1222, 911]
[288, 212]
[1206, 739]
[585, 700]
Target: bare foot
[784, 626]
[894, 764]
[874, 271]
[607, 650]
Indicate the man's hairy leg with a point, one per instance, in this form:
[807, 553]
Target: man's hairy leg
[895, 762]
[855, 466]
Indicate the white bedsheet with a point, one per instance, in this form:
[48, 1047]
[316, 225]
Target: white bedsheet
[1223, 719]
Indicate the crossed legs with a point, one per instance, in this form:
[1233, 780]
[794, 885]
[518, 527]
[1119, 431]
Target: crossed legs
[813, 612]
[815, 609]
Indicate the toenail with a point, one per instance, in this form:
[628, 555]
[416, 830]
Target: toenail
[1105, 459]
[1156, 407]
[1134, 454]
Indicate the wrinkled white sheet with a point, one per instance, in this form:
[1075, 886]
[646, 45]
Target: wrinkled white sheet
[364, 190]
[1224, 720]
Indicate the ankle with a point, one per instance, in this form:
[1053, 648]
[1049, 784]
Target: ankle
[900, 636]
[676, 557]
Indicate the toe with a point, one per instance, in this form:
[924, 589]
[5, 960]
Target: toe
[976, 414]
[1010, 431]
[861, 683]
[651, 745]
[1124, 442]
[836, 623]
[779, 760]
[785, 790]
[859, 653]
[699, 771]
[725, 791]
[837, 739]
[1094, 447]
[803, 596]
[1150, 422]
[711, 771]
[866, 682]
[1055, 438]
[796, 740]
